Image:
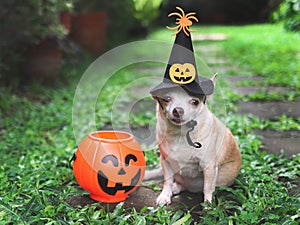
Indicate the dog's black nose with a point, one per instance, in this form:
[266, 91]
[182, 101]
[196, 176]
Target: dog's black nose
[178, 112]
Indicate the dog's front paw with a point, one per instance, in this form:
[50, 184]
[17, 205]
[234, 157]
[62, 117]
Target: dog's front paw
[164, 199]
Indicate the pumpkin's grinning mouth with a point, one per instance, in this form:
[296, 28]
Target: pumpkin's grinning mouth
[103, 181]
[180, 79]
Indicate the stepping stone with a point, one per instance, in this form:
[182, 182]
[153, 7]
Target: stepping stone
[144, 196]
[209, 37]
[215, 60]
[270, 109]
[80, 201]
[223, 69]
[273, 141]
[276, 141]
[247, 90]
[140, 198]
[207, 49]
[235, 79]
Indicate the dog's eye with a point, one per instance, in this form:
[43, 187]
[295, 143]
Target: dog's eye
[195, 102]
[167, 99]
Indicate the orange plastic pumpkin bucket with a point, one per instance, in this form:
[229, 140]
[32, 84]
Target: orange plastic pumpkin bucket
[110, 165]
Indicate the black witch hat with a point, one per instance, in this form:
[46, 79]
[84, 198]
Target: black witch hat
[181, 69]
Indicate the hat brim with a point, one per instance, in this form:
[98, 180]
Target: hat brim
[203, 87]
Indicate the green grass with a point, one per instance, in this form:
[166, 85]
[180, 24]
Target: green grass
[37, 141]
[273, 53]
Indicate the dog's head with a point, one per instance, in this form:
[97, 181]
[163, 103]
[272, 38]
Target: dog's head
[178, 106]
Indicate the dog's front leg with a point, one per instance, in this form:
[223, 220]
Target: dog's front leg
[166, 194]
[210, 177]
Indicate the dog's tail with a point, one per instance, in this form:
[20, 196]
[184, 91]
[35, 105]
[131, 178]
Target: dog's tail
[155, 174]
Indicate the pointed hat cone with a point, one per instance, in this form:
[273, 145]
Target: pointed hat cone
[181, 70]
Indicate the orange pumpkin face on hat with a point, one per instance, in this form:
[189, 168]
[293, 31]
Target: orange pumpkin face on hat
[181, 70]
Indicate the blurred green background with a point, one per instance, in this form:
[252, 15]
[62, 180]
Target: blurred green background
[67, 28]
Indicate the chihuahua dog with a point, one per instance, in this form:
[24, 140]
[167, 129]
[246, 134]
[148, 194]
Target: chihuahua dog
[214, 160]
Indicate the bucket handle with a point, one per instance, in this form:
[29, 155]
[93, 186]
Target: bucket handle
[71, 160]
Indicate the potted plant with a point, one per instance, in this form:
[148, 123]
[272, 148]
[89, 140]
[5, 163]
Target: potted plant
[89, 31]
[27, 26]
[89, 24]
[112, 21]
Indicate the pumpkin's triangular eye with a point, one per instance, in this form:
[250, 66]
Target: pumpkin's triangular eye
[187, 70]
[177, 70]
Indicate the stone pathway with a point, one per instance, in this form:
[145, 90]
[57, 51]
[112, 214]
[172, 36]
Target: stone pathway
[146, 196]
[273, 141]
[271, 110]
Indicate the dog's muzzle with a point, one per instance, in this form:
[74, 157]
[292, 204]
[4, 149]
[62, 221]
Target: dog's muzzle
[191, 124]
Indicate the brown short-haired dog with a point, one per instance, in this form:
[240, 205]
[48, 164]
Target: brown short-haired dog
[213, 160]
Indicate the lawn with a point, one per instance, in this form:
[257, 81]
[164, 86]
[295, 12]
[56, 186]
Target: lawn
[37, 141]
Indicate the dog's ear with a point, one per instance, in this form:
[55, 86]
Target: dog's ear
[158, 100]
[214, 80]
[158, 95]
[154, 97]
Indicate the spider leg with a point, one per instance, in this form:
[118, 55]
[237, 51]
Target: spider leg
[180, 9]
[173, 28]
[194, 18]
[191, 30]
[180, 28]
[185, 29]
[183, 21]
[189, 14]
[174, 14]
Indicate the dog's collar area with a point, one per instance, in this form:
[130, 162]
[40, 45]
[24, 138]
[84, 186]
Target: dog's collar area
[191, 124]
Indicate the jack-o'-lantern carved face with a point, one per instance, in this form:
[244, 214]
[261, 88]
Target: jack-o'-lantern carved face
[182, 73]
[118, 174]
[110, 165]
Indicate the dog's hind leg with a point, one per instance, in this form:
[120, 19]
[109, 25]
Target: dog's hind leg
[177, 186]
[210, 177]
